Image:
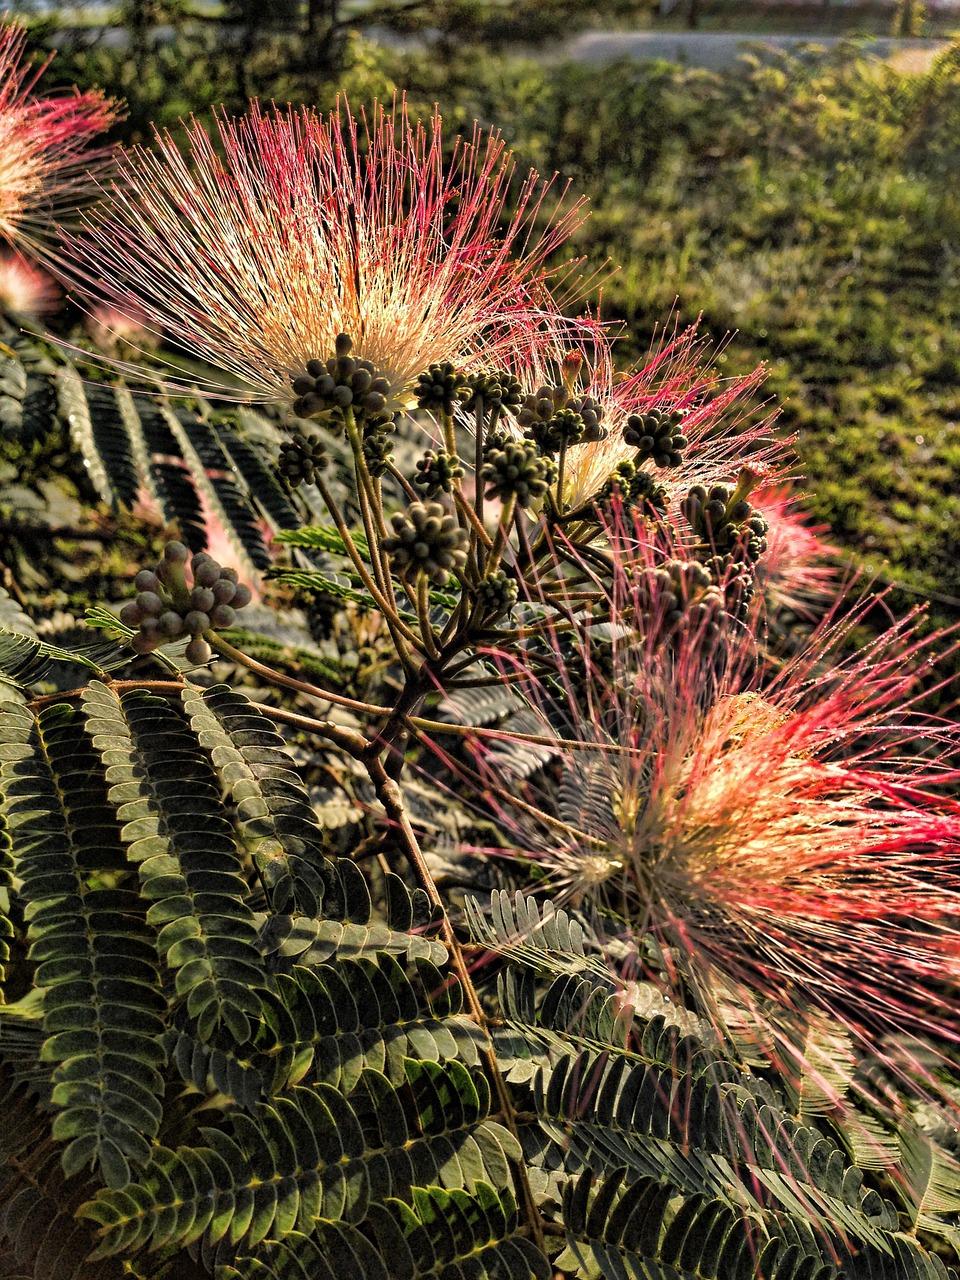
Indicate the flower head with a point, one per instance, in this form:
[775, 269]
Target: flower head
[799, 569]
[26, 289]
[678, 380]
[788, 840]
[47, 167]
[310, 227]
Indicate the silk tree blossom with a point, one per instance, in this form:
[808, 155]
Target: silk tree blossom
[309, 227]
[26, 290]
[788, 841]
[799, 572]
[680, 374]
[48, 167]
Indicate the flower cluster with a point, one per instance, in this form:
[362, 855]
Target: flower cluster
[779, 830]
[47, 166]
[167, 607]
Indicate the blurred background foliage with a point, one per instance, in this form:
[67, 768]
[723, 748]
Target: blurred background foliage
[806, 200]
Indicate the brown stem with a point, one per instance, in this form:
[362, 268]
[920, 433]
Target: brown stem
[390, 796]
[289, 682]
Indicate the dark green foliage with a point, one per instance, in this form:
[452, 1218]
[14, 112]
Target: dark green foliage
[193, 467]
[166, 798]
[271, 1086]
[93, 955]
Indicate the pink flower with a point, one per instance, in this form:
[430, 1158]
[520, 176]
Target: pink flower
[309, 227]
[679, 374]
[47, 166]
[25, 289]
[788, 840]
[799, 570]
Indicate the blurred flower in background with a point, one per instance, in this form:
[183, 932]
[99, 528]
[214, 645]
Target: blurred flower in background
[48, 167]
[25, 289]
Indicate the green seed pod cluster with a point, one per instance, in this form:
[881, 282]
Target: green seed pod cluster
[496, 595]
[166, 607]
[327, 387]
[437, 473]
[301, 460]
[727, 523]
[681, 597]
[516, 470]
[635, 488]
[563, 428]
[657, 434]
[377, 450]
[496, 388]
[440, 387]
[426, 539]
[591, 411]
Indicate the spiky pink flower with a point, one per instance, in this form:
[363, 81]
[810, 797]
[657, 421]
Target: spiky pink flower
[799, 570]
[787, 839]
[680, 374]
[308, 227]
[47, 166]
[26, 289]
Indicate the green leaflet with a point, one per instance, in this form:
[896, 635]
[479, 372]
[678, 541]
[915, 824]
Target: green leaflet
[443, 1229]
[309, 1155]
[166, 798]
[24, 659]
[277, 820]
[324, 538]
[94, 955]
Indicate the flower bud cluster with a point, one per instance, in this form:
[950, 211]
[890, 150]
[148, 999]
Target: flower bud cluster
[301, 460]
[515, 469]
[427, 539]
[496, 389]
[542, 405]
[166, 607]
[562, 428]
[681, 597]
[496, 595]
[591, 411]
[635, 488]
[657, 434]
[440, 387]
[342, 382]
[726, 521]
[437, 473]
[377, 450]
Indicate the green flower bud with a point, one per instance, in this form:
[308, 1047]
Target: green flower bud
[516, 470]
[440, 388]
[426, 539]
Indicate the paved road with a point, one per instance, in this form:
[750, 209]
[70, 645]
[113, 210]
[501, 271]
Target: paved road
[717, 51]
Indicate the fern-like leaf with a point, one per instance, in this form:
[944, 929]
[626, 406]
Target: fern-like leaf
[278, 823]
[167, 799]
[95, 958]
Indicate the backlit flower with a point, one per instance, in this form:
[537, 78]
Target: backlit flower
[679, 376]
[787, 839]
[308, 227]
[25, 289]
[47, 166]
